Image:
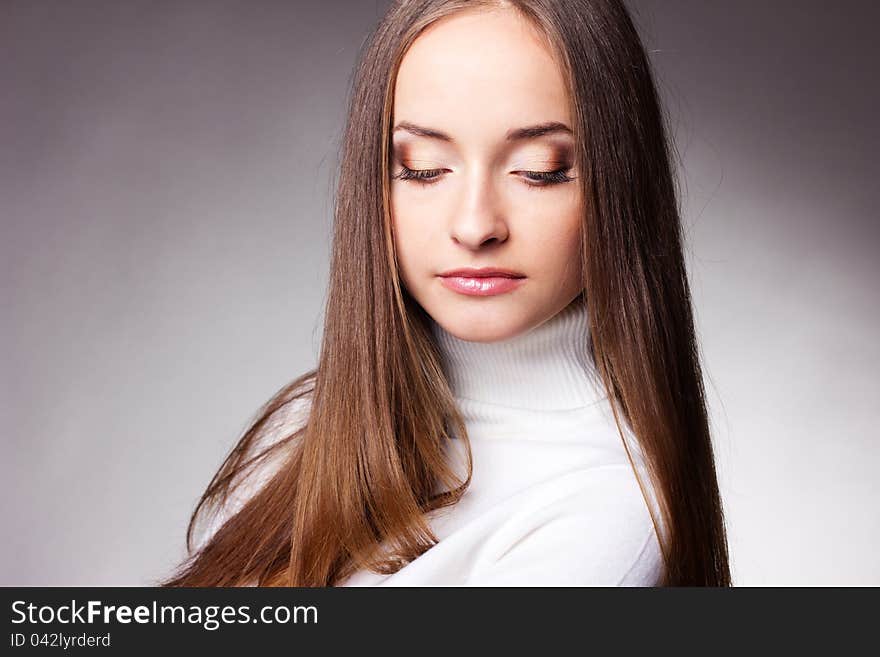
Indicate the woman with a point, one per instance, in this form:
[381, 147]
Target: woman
[508, 389]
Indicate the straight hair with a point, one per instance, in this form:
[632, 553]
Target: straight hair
[356, 476]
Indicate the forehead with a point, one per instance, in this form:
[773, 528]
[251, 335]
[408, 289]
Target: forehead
[476, 74]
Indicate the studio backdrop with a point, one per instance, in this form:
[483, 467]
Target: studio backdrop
[166, 180]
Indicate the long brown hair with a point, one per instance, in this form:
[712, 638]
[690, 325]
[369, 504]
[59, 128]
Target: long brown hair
[357, 474]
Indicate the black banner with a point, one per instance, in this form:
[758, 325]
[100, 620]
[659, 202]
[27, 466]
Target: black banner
[134, 620]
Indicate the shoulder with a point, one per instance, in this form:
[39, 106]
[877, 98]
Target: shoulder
[248, 481]
[595, 531]
[288, 418]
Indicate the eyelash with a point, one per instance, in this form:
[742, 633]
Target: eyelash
[539, 179]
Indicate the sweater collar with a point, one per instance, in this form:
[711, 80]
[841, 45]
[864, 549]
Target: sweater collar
[546, 368]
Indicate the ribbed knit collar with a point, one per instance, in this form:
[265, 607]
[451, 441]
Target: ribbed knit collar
[545, 368]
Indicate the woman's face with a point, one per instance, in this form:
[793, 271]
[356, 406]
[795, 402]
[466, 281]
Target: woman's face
[488, 196]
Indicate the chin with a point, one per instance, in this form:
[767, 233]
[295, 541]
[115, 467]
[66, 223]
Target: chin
[480, 322]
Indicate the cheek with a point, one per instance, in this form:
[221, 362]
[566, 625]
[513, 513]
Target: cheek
[554, 237]
[412, 235]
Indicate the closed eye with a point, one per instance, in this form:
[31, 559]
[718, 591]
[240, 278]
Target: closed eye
[419, 175]
[535, 178]
[549, 177]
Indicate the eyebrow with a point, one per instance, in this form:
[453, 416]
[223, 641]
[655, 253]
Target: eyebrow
[516, 134]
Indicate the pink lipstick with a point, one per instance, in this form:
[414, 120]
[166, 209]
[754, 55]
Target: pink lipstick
[483, 282]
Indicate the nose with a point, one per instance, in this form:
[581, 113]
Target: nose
[479, 218]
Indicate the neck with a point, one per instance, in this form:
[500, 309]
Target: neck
[546, 368]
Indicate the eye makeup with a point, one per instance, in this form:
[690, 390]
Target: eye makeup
[552, 171]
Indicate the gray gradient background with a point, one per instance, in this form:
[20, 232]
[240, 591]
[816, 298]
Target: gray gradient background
[166, 174]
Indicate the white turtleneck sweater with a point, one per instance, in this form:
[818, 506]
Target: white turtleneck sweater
[553, 500]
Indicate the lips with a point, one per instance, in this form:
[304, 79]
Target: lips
[483, 272]
[483, 282]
